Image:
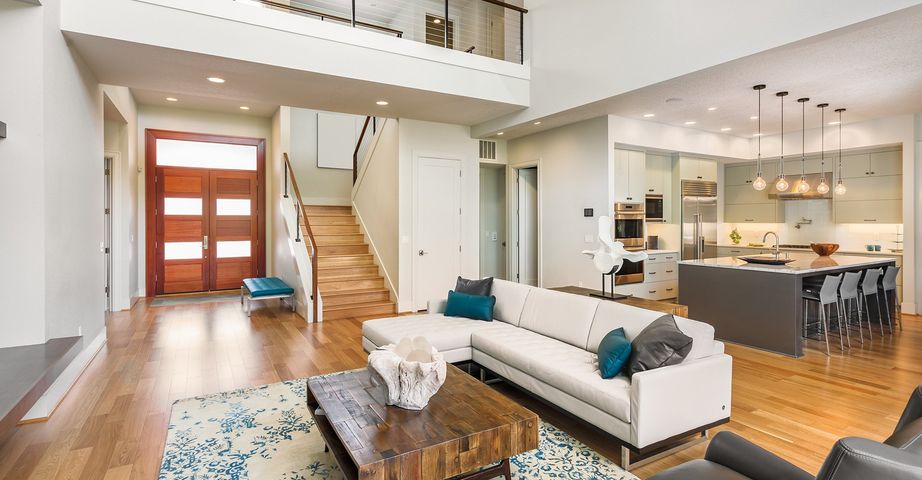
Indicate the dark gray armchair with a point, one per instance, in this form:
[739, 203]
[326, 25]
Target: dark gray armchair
[731, 457]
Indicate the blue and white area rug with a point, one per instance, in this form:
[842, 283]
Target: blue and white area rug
[266, 433]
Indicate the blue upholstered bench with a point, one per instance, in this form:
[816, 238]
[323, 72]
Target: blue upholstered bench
[264, 289]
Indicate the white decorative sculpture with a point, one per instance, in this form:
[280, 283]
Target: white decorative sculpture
[610, 255]
[413, 371]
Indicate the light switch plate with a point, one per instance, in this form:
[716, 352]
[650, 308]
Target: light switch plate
[2, 130]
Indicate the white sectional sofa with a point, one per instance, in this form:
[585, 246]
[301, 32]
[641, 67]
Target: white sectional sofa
[546, 341]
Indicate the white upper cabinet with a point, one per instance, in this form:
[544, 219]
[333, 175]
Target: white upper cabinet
[659, 174]
[737, 175]
[872, 164]
[630, 176]
[697, 169]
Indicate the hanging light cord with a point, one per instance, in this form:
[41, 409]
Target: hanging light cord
[803, 140]
[840, 145]
[823, 143]
[781, 161]
[759, 173]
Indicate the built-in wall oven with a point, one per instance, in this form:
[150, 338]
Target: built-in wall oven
[629, 230]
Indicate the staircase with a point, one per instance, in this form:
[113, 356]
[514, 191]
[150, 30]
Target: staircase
[348, 277]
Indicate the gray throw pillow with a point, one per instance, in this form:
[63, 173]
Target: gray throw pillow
[660, 344]
[481, 288]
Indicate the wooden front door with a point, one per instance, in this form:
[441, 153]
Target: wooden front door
[204, 224]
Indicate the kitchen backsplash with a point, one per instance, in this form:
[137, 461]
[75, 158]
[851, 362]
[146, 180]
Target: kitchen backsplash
[821, 228]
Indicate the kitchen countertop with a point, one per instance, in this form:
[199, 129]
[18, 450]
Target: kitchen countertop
[885, 252]
[658, 252]
[803, 263]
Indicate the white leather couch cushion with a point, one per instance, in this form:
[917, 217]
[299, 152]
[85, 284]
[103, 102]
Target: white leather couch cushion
[444, 333]
[612, 315]
[510, 300]
[563, 316]
[566, 367]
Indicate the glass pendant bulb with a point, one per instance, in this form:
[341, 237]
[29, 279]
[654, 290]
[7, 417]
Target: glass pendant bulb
[840, 188]
[803, 186]
[782, 184]
[759, 183]
[823, 187]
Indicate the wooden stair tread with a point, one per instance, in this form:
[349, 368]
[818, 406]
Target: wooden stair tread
[350, 306]
[358, 276]
[357, 291]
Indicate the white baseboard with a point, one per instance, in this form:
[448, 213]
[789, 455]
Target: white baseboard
[58, 390]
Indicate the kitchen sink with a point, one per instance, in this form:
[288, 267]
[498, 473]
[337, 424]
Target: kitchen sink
[766, 260]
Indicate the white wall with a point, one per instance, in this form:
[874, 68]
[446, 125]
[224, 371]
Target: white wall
[375, 200]
[196, 121]
[582, 51]
[573, 174]
[280, 260]
[22, 154]
[121, 136]
[319, 186]
[417, 138]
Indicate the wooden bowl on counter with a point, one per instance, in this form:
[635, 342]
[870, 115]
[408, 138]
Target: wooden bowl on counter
[824, 249]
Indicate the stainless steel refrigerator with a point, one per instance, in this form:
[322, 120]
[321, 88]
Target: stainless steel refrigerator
[699, 219]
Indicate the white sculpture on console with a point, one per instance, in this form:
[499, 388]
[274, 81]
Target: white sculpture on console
[413, 371]
[610, 255]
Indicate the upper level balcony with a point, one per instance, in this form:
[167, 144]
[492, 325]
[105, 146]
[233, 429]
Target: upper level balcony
[490, 28]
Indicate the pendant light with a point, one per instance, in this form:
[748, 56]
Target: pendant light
[840, 187]
[823, 187]
[803, 186]
[782, 184]
[759, 182]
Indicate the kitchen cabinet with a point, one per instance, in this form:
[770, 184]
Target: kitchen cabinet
[868, 211]
[739, 175]
[734, 194]
[697, 169]
[659, 174]
[888, 187]
[754, 213]
[630, 173]
[883, 163]
[792, 168]
[661, 278]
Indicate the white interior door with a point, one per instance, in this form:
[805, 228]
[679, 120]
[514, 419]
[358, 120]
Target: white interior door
[527, 193]
[437, 231]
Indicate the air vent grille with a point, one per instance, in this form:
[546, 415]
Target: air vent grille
[487, 150]
[697, 188]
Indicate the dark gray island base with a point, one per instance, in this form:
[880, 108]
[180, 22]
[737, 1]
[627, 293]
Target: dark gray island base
[759, 305]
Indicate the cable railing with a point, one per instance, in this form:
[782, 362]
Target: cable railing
[312, 247]
[490, 28]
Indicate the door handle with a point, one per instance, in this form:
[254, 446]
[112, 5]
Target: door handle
[422, 252]
[205, 243]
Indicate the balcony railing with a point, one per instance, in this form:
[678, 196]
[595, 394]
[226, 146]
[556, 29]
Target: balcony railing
[490, 28]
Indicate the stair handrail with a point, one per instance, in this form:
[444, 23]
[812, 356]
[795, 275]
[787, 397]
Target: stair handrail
[299, 205]
[355, 154]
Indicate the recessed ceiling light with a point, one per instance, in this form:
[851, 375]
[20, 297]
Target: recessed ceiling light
[437, 21]
[834, 122]
[711, 109]
[244, 107]
[500, 133]
[215, 79]
[649, 115]
[725, 129]
[172, 99]
[754, 117]
[690, 122]
[538, 123]
[382, 103]
[757, 134]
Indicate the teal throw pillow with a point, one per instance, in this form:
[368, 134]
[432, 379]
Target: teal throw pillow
[614, 353]
[477, 307]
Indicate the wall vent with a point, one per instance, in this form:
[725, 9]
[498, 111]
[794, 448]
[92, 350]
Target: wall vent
[487, 150]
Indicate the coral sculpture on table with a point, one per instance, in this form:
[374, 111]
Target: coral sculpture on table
[413, 371]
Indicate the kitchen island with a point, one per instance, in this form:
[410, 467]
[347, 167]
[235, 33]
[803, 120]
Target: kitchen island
[760, 305]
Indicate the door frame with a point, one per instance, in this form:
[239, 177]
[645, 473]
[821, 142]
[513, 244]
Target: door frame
[417, 302]
[150, 192]
[109, 161]
[512, 228]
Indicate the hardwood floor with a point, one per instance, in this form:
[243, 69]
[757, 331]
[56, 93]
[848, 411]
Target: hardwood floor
[113, 423]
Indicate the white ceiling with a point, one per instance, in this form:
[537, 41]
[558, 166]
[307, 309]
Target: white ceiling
[155, 73]
[873, 69]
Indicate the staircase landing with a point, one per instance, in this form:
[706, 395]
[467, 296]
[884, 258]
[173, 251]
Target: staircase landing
[349, 280]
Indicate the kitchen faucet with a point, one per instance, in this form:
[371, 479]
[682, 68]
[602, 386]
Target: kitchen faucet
[777, 250]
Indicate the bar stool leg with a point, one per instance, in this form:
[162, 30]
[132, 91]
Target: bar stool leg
[825, 325]
[848, 336]
[887, 306]
[867, 306]
[870, 330]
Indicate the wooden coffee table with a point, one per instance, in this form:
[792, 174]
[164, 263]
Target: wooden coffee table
[464, 431]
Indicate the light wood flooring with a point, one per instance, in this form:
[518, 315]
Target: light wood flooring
[113, 423]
